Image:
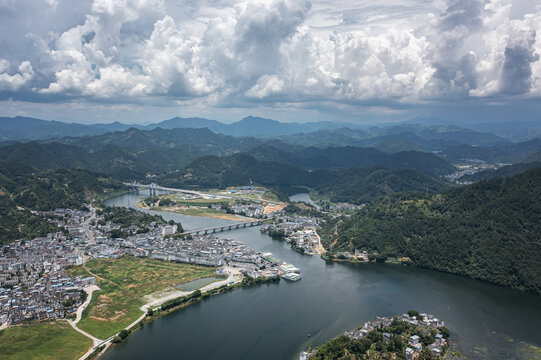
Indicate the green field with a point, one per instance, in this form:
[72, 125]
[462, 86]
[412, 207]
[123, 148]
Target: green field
[43, 341]
[124, 282]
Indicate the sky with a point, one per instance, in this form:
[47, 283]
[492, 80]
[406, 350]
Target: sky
[141, 61]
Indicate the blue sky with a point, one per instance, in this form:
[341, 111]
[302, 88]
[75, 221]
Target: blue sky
[291, 60]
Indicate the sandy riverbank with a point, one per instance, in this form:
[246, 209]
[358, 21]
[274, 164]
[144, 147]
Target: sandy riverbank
[320, 249]
[200, 212]
[155, 300]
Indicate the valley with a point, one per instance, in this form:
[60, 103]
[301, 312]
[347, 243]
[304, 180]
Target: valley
[408, 210]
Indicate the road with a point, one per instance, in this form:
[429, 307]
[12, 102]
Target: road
[86, 226]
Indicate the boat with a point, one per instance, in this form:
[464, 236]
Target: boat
[292, 276]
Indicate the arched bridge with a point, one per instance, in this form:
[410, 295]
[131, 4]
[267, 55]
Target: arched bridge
[223, 228]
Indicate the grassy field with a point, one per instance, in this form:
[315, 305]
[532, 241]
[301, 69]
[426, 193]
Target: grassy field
[124, 282]
[43, 341]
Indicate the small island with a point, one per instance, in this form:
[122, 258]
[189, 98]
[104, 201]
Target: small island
[407, 336]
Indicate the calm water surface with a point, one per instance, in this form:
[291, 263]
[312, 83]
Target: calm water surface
[304, 197]
[272, 321]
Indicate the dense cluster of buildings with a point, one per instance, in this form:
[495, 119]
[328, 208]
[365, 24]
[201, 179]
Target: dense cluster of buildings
[425, 322]
[299, 231]
[471, 169]
[33, 282]
[35, 285]
[249, 210]
[345, 207]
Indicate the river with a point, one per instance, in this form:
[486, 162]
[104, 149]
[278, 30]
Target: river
[304, 197]
[272, 321]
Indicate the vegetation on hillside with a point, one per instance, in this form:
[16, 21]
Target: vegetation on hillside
[348, 156]
[374, 346]
[126, 217]
[356, 185]
[23, 189]
[488, 230]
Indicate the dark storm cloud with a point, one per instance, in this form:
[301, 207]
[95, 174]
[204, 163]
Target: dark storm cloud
[517, 67]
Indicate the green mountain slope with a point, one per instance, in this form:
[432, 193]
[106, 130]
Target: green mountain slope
[488, 230]
[351, 184]
[23, 188]
[348, 156]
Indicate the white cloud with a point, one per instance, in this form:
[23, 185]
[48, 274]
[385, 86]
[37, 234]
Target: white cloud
[402, 51]
[265, 86]
[16, 81]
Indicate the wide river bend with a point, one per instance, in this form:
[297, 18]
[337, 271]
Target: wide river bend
[272, 321]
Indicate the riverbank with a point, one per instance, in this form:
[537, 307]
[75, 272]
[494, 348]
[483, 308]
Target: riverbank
[173, 302]
[123, 283]
[343, 295]
[150, 310]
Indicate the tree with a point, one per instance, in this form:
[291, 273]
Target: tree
[124, 333]
[444, 331]
[83, 295]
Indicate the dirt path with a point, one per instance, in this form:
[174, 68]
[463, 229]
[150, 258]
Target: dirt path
[89, 290]
[95, 341]
[320, 248]
[334, 243]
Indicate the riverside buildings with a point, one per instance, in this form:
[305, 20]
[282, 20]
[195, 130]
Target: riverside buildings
[34, 283]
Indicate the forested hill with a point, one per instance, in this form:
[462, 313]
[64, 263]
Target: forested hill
[488, 230]
[23, 188]
[356, 185]
[348, 156]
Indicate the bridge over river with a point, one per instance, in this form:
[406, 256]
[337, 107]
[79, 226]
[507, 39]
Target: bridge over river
[135, 186]
[223, 228]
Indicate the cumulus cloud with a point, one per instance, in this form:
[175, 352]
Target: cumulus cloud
[17, 80]
[266, 85]
[238, 52]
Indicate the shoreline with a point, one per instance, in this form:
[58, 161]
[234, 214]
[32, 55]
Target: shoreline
[155, 304]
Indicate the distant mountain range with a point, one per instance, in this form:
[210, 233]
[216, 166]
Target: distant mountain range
[25, 128]
[132, 153]
[413, 134]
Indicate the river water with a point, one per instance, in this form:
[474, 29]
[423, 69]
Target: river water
[304, 197]
[272, 321]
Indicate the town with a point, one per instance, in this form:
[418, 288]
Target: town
[299, 231]
[36, 286]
